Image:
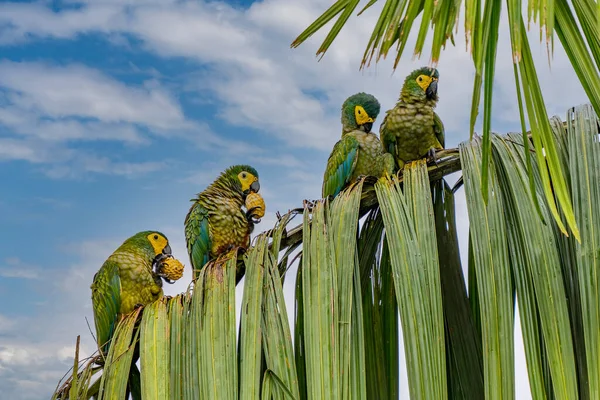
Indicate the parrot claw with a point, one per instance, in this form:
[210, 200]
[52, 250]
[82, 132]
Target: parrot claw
[164, 277]
[432, 156]
[250, 215]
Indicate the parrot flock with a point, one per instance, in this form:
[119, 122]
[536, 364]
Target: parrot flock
[222, 217]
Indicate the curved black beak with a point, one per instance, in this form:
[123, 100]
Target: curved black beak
[167, 250]
[368, 126]
[255, 187]
[431, 91]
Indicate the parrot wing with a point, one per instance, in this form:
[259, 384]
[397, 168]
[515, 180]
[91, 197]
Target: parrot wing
[197, 236]
[106, 300]
[340, 165]
[388, 139]
[438, 128]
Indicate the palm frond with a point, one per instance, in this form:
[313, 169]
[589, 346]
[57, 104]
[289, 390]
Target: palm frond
[355, 279]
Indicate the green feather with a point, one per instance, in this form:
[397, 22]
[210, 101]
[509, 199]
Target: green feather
[197, 236]
[340, 165]
[106, 299]
[438, 128]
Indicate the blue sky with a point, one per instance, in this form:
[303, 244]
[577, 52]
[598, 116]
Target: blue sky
[114, 113]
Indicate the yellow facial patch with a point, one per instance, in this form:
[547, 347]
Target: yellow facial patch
[246, 179]
[424, 81]
[158, 241]
[361, 116]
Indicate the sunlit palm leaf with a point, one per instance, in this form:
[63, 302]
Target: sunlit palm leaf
[410, 230]
[154, 351]
[250, 342]
[214, 305]
[277, 343]
[584, 149]
[570, 271]
[118, 362]
[177, 315]
[319, 297]
[342, 230]
[539, 256]
[492, 270]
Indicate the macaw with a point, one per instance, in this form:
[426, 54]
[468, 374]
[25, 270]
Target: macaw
[412, 130]
[130, 277]
[216, 222]
[359, 152]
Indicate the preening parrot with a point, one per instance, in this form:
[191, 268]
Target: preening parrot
[130, 277]
[359, 152]
[412, 130]
[216, 222]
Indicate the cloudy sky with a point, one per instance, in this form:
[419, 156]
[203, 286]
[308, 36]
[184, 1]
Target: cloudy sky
[114, 113]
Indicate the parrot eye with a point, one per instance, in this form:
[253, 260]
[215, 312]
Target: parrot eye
[155, 237]
[244, 175]
[359, 112]
[420, 79]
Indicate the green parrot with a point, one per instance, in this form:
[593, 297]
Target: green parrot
[126, 280]
[359, 152]
[216, 221]
[412, 130]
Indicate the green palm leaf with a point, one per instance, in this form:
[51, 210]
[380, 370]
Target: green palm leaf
[356, 279]
[410, 230]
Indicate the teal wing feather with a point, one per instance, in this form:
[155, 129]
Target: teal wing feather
[340, 165]
[197, 235]
[438, 128]
[106, 300]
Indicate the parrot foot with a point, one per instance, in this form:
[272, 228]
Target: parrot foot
[229, 248]
[308, 204]
[250, 215]
[138, 305]
[431, 156]
[164, 277]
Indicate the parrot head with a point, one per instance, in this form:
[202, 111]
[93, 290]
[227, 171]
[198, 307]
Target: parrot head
[420, 85]
[153, 244]
[243, 179]
[359, 112]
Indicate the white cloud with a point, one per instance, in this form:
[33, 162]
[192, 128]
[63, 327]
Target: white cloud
[75, 90]
[265, 85]
[15, 268]
[48, 107]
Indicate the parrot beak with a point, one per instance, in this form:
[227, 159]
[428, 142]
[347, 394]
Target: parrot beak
[367, 126]
[167, 250]
[431, 91]
[255, 187]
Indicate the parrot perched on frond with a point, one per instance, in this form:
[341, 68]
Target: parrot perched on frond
[216, 222]
[412, 130]
[359, 152]
[129, 278]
